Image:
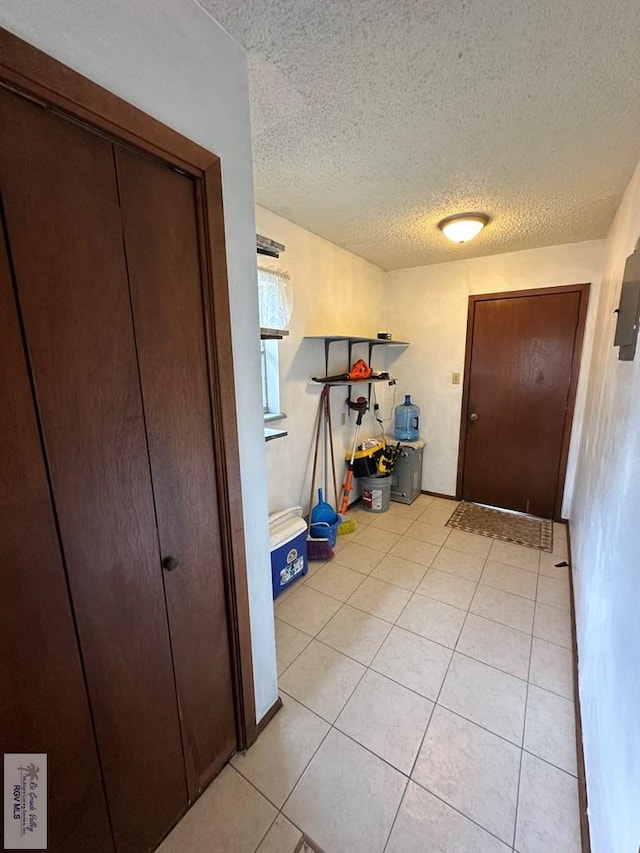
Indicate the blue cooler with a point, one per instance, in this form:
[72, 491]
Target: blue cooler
[288, 543]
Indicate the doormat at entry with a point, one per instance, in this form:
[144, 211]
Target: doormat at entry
[504, 525]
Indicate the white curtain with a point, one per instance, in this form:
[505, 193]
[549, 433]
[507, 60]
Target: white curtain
[275, 298]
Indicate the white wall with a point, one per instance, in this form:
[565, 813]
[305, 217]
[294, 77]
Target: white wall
[428, 307]
[605, 534]
[175, 63]
[335, 292]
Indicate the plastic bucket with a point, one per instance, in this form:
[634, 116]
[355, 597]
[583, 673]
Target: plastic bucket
[324, 530]
[376, 493]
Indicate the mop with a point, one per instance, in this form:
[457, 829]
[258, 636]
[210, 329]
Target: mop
[347, 525]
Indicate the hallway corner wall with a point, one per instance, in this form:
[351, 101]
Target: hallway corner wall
[334, 293]
[605, 520]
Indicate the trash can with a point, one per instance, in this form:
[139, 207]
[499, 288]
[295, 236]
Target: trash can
[376, 493]
[288, 545]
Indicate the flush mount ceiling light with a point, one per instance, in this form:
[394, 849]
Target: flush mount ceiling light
[463, 227]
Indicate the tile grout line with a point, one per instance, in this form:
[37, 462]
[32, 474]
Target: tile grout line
[269, 828]
[429, 639]
[428, 698]
[333, 726]
[415, 633]
[402, 799]
[410, 775]
[446, 673]
[550, 763]
[394, 623]
[368, 667]
[524, 729]
[435, 704]
[461, 813]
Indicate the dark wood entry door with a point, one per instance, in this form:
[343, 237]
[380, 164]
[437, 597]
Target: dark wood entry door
[523, 352]
[105, 251]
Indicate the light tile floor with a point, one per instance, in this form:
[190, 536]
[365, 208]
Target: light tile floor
[426, 680]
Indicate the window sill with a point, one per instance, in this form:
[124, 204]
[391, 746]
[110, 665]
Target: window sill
[274, 416]
[270, 434]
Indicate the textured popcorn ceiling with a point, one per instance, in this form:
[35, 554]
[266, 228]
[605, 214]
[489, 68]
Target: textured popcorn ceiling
[374, 119]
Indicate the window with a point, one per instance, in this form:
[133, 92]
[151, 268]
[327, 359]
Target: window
[275, 310]
[274, 298]
[270, 379]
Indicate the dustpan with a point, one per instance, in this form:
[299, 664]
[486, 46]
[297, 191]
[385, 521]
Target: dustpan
[323, 511]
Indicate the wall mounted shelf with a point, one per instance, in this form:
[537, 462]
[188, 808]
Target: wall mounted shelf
[273, 334]
[270, 434]
[369, 381]
[267, 246]
[352, 341]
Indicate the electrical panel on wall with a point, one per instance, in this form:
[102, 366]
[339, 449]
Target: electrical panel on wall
[628, 310]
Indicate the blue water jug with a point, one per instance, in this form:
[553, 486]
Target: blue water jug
[407, 420]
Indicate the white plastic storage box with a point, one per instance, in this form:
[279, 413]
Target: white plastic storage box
[288, 543]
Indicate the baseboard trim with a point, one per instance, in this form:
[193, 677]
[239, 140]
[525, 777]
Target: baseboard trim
[438, 495]
[264, 722]
[582, 779]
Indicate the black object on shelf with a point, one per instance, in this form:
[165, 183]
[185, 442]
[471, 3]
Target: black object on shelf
[265, 246]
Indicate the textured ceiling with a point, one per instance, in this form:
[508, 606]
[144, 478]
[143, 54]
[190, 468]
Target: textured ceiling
[374, 119]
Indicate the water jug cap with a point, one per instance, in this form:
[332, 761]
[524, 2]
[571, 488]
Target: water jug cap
[407, 399]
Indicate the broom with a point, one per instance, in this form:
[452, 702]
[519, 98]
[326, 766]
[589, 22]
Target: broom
[349, 525]
[317, 549]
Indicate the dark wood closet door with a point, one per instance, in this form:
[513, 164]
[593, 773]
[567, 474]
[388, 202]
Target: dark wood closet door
[519, 384]
[161, 240]
[39, 660]
[64, 228]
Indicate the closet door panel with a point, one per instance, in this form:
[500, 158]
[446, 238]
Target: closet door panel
[161, 239]
[43, 692]
[64, 226]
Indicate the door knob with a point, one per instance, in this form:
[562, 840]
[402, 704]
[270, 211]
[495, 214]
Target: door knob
[169, 564]
[473, 416]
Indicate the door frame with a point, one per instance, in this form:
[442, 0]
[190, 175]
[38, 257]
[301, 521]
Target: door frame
[583, 291]
[31, 73]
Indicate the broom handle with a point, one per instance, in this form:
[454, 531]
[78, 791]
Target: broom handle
[333, 460]
[347, 486]
[315, 460]
[325, 440]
